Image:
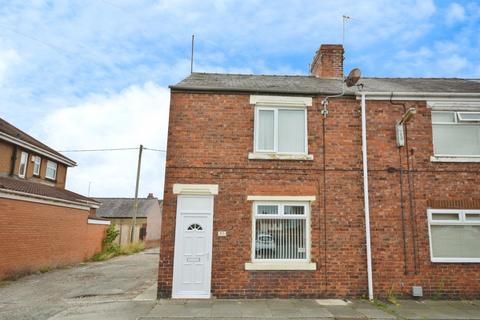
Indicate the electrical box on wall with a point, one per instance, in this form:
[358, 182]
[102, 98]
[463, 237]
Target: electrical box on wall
[400, 133]
[417, 291]
[222, 233]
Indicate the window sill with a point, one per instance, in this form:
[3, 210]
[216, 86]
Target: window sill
[454, 159]
[280, 266]
[456, 260]
[277, 156]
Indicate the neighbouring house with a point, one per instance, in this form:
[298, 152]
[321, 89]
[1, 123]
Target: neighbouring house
[266, 196]
[42, 225]
[119, 211]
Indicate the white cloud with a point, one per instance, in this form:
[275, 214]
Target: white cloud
[453, 64]
[137, 115]
[455, 13]
[8, 59]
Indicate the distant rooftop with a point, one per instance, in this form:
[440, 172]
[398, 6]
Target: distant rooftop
[123, 207]
[311, 85]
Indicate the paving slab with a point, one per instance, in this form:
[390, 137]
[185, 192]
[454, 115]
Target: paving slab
[310, 308]
[283, 308]
[440, 310]
[345, 313]
[371, 311]
[226, 309]
[256, 308]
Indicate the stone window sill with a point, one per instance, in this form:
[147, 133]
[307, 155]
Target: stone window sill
[454, 159]
[280, 266]
[277, 156]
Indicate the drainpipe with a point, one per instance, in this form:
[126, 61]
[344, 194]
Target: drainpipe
[365, 199]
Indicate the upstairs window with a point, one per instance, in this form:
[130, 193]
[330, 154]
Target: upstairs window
[456, 133]
[51, 172]
[22, 168]
[281, 130]
[37, 161]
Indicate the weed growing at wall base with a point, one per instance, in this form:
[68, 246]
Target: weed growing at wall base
[111, 249]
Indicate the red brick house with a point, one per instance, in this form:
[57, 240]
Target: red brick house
[266, 196]
[42, 225]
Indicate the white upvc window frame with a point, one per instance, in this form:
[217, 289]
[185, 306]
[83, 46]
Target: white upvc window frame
[457, 120]
[461, 221]
[266, 102]
[24, 161]
[275, 130]
[49, 162]
[37, 165]
[281, 205]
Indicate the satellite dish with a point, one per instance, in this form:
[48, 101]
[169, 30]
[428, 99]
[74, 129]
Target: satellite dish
[353, 77]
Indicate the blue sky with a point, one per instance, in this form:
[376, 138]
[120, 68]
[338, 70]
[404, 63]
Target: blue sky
[95, 73]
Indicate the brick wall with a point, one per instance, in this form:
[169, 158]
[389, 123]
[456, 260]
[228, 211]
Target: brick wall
[36, 236]
[210, 136]
[6, 150]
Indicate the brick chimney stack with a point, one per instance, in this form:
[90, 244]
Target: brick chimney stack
[150, 196]
[328, 61]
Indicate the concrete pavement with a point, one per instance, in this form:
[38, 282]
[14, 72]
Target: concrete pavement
[124, 288]
[313, 309]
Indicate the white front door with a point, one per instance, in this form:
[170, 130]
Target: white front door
[193, 247]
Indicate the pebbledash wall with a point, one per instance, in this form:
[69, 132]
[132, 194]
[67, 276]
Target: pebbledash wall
[36, 236]
[210, 136]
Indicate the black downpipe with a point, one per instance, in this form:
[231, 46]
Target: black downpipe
[412, 204]
[410, 196]
[402, 207]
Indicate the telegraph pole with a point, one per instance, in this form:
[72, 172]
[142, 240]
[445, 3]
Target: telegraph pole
[135, 201]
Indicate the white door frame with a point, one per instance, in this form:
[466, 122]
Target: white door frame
[184, 191]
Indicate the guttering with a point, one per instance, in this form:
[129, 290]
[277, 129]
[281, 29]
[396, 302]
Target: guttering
[366, 199]
[431, 96]
[282, 91]
[18, 195]
[36, 149]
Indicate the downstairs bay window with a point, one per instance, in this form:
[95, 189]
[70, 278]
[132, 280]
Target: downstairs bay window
[454, 235]
[280, 236]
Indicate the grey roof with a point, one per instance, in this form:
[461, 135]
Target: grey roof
[310, 85]
[123, 207]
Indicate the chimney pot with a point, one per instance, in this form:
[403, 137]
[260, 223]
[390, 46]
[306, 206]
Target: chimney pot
[328, 61]
[150, 196]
